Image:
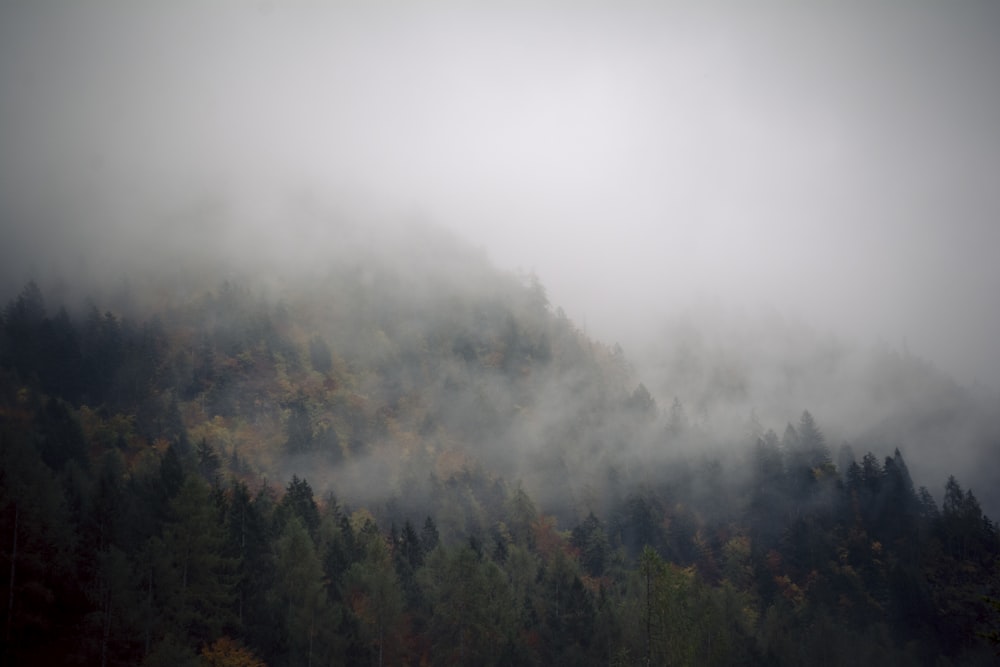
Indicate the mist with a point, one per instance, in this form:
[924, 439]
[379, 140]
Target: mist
[673, 324]
[783, 187]
[837, 163]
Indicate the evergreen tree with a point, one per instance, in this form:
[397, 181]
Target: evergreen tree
[197, 578]
[592, 542]
[811, 443]
[429, 538]
[35, 544]
[248, 543]
[472, 612]
[677, 419]
[59, 436]
[208, 462]
[298, 501]
[299, 597]
[376, 600]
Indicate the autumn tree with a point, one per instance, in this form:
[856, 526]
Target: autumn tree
[227, 652]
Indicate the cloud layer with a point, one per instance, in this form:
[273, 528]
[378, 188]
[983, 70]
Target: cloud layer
[840, 162]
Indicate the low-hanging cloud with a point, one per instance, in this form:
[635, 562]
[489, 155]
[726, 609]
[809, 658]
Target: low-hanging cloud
[838, 161]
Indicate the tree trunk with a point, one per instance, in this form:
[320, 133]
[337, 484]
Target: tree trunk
[13, 576]
[649, 615]
[149, 611]
[106, 634]
[312, 631]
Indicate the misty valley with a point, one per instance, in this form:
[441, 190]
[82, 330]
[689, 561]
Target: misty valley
[410, 457]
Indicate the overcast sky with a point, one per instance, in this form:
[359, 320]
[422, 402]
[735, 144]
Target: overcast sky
[841, 161]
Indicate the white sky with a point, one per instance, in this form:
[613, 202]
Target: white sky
[840, 160]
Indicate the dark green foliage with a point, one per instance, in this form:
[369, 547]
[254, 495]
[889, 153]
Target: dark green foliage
[195, 577]
[60, 439]
[22, 320]
[209, 464]
[591, 541]
[429, 537]
[640, 525]
[408, 556]
[123, 542]
[36, 546]
[298, 502]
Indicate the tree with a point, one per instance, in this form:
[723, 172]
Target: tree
[668, 620]
[59, 357]
[60, 439]
[299, 595]
[35, 544]
[641, 524]
[472, 613]
[812, 444]
[22, 320]
[171, 651]
[208, 462]
[641, 403]
[592, 542]
[677, 419]
[112, 623]
[248, 542]
[375, 599]
[567, 614]
[227, 652]
[522, 516]
[197, 579]
[173, 425]
[298, 501]
[408, 557]
[299, 428]
[899, 504]
[429, 538]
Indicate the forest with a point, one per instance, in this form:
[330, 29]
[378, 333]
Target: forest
[385, 465]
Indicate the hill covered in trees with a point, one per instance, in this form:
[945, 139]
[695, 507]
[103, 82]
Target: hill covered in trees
[400, 455]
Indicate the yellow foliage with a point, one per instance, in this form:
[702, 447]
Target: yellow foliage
[227, 652]
[359, 518]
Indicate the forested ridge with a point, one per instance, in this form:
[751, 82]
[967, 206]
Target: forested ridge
[373, 467]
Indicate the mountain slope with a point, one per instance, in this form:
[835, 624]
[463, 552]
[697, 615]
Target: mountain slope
[219, 453]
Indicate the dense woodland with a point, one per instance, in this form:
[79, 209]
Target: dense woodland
[376, 469]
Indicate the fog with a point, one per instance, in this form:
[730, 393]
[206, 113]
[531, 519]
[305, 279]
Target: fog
[836, 164]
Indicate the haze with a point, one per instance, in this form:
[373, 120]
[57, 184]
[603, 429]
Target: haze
[839, 163]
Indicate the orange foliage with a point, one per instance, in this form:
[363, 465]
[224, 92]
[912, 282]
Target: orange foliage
[548, 540]
[773, 560]
[227, 652]
[451, 462]
[789, 590]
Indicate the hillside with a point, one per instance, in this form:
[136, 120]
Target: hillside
[397, 454]
[726, 365]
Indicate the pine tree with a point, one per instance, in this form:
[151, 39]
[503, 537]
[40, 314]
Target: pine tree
[197, 578]
[376, 600]
[298, 501]
[299, 596]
